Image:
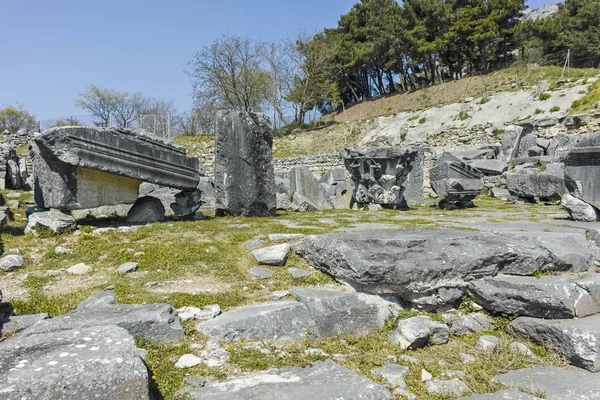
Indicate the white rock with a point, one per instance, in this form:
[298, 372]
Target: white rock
[425, 376]
[521, 348]
[10, 262]
[79, 269]
[487, 343]
[188, 361]
[278, 295]
[127, 268]
[272, 255]
[62, 250]
[466, 358]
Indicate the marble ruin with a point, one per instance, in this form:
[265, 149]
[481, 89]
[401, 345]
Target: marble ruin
[379, 174]
[82, 167]
[244, 174]
[456, 183]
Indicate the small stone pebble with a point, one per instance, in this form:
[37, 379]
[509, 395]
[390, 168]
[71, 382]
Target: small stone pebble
[79, 269]
[188, 361]
[425, 376]
[61, 250]
[487, 343]
[127, 268]
[278, 295]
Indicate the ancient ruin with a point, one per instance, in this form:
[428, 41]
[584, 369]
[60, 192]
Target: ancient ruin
[244, 175]
[81, 167]
[379, 174]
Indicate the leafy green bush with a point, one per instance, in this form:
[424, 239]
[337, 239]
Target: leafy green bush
[545, 96]
[555, 109]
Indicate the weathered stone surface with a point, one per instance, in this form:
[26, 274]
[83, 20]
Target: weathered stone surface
[578, 340]
[579, 210]
[395, 375]
[156, 322]
[582, 169]
[244, 174]
[344, 192]
[527, 144]
[280, 320]
[338, 313]
[208, 312]
[17, 323]
[285, 237]
[447, 387]
[535, 185]
[54, 220]
[11, 262]
[272, 255]
[127, 268]
[261, 273]
[188, 361]
[380, 173]
[544, 297]
[302, 204]
[283, 201]
[429, 267]
[333, 176]
[83, 167]
[303, 182]
[490, 167]
[416, 332]
[323, 380]
[510, 394]
[89, 363]
[500, 193]
[454, 181]
[487, 343]
[278, 295]
[510, 142]
[299, 273]
[470, 323]
[79, 269]
[146, 209]
[556, 383]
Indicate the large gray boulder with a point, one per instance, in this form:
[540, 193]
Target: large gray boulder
[53, 220]
[545, 297]
[338, 313]
[244, 174]
[303, 182]
[529, 186]
[554, 383]
[417, 332]
[92, 363]
[470, 324]
[578, 340]
[281, 320]
[156, 322]
[273, 255]
[80, 167]
[579, 210]
[17, 323]
[323, 380]
[146, 209]
[430, 267]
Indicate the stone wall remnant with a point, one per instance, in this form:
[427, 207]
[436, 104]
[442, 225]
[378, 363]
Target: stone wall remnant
[244, 173]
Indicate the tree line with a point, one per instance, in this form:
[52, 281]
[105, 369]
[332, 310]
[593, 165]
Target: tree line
[381, 47]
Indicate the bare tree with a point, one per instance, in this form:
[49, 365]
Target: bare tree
[231, 72]
[15, 118]
[283, 66]
[123, 107]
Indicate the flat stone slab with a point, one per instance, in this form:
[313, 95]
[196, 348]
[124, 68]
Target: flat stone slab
[157, 322]
[510, 394]
[272, 255]
[556, 383]
[261, 273]
[323, 380]
[578, 340]
[431, 267]
[17, 323]
[99, 362]
[281, 320]
[85, 167]
[544, 297]
[338, 313]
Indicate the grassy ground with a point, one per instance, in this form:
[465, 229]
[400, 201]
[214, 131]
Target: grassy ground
[210, 256]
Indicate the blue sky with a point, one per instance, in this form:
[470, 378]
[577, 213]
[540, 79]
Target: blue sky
[52, 50]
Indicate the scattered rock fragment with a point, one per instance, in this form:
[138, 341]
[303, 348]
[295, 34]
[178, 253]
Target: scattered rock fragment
[261, 273]
[53, 220]
[417, 332]
[188, 361]
[272, 255]
[127, 268]
[487, 343]
[62, 250]
[79, 269]
[10, 262]
[470, 324]
[299, 273]
[450, 387]
[278, 295]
